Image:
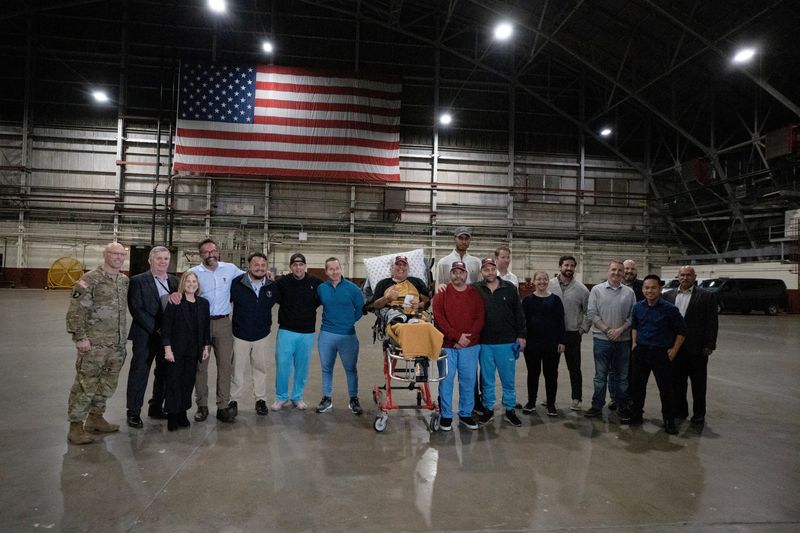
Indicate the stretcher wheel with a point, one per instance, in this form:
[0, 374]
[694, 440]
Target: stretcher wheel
[435, 422]
[380, 422]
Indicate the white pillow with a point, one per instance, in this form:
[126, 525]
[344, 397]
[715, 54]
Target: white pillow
[378, 268]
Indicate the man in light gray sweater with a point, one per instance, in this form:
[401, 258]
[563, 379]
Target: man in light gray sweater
[609, 312]
[575, 298]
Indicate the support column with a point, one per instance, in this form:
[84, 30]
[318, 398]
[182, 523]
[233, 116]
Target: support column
[121, 111]
[351, 254]
[435, 150]
[24, 185]
[266, 223]
[511, 162]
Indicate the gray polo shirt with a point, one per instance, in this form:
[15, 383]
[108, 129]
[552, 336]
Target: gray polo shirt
[612, 306]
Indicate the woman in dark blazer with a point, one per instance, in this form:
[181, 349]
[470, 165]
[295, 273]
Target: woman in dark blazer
[186, 335]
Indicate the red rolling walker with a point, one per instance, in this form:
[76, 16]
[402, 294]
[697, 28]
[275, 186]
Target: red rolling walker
[415, 372]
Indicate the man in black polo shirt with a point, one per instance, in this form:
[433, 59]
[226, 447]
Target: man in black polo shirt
[658, 330]
[297, 320]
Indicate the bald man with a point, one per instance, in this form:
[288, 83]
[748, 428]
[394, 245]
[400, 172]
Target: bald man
[699, 309]
[97, 320]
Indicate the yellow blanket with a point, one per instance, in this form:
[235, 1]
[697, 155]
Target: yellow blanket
[420, 339]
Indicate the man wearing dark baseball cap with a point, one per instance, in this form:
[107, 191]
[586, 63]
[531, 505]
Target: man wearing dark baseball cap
[502, 337]
[297, 320]
[461, 239]
[459, 316]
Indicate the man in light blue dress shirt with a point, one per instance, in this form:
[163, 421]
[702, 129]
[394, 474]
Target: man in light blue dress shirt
[215, 286]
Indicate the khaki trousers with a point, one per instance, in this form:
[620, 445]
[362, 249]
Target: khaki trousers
[222, 342]
[252, 354]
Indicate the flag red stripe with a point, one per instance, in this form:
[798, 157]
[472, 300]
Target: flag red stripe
[338, 175]
[332, 74]
[319, 123]
[276, 155]
[291, 139]
[321, 106]
[325, 89]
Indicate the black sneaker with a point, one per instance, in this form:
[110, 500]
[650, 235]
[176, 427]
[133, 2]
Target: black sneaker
[551, 410]
[512, 418]
[355, 406]
[486, 417]
[468, 421]
[636, 420]
[446, 424]
[233, 409]
[529, 407]
[624, 416]
[261, 408]
[612, 405]
[670, 427]
[593, 412]
[325, 405]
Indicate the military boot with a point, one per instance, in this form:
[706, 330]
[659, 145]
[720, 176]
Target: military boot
[98, 424]
[77, 435]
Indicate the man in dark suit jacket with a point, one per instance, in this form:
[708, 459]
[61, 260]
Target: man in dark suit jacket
[699, 309]
[144, 303]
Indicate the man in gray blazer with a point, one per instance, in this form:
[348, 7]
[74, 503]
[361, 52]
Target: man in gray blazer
[144, 303]
[699, 309]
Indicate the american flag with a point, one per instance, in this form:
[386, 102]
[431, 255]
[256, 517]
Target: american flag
[287, 122]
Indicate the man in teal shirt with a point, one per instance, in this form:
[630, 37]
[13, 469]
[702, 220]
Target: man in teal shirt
[342, 304]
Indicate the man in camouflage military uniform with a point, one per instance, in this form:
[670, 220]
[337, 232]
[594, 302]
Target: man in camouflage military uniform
[97, 321]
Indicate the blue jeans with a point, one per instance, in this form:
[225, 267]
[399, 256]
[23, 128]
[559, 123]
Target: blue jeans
[611, 357]
[328, 344]
[292, 349]
[463, 361]
[498, 357]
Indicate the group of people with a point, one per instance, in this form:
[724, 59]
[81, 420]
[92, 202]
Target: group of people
[217, 307]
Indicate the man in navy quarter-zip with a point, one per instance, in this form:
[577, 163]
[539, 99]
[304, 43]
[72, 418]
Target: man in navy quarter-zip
[253, 296]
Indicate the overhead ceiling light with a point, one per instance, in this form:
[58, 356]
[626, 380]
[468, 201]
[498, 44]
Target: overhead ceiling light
[503, 31]
[217, 6]
[744, 55]
[445, 118]
[100, 96]
[605, 132]
[267, 47]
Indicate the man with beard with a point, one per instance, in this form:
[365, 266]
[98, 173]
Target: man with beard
[253, 296]
[144, 303]
[462, 237]
[575, 298]
[609, 312]
[458, 313]
[297, 320]
[629, 278]
[215, 278]
[699, 309]
[502, 338]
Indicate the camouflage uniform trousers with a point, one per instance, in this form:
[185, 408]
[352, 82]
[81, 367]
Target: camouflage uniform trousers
[97, 373]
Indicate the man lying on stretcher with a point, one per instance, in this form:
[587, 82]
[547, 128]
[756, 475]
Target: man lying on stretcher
[401, 301]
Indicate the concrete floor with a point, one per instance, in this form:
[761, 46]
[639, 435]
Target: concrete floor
[300, 471]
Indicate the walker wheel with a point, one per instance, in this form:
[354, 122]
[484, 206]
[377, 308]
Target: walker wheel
[380, 422]
[435, 422]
